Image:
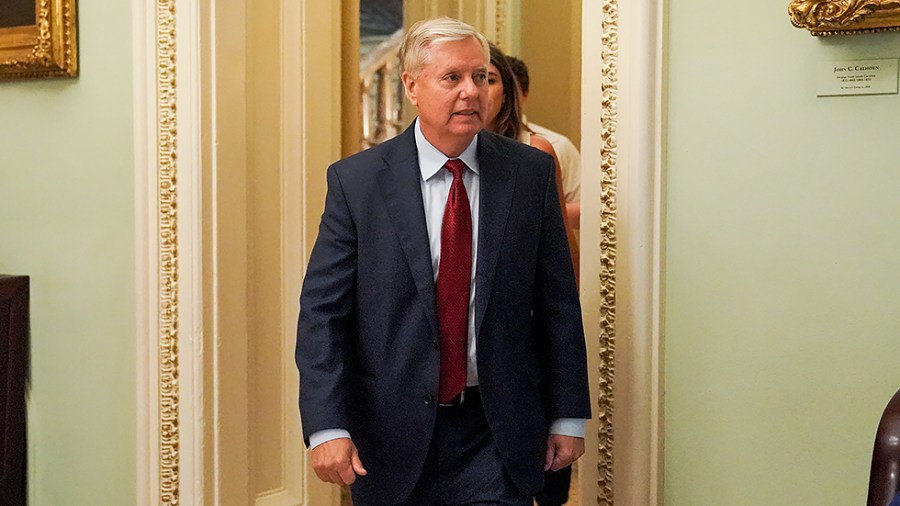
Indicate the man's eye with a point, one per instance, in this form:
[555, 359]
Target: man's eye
[452, 77]
[481, 78]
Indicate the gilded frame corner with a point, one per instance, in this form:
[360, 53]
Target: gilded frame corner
[841, 17]
[47, 48]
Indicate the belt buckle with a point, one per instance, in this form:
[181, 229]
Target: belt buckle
[459, 400]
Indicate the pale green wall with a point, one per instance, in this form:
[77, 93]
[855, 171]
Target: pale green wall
[67, 220]
[783, 261]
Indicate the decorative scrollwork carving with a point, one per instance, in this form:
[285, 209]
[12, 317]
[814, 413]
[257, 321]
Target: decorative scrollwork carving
[167, 192]
[832, 17]
[608, 152]
[500, 25]
[41, 51]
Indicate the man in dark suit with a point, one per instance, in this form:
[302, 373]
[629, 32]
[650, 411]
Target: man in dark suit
[440, 345]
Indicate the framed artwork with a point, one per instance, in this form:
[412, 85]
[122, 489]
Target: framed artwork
[38, 38]
[836, 17]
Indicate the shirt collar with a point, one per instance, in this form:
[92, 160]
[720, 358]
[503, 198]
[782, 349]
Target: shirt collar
[431, 160]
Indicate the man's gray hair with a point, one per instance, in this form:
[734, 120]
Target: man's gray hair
[420, 37]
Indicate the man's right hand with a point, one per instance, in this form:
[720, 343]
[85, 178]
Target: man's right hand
[337, 461]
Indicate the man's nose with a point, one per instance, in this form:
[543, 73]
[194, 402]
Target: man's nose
[469, 88]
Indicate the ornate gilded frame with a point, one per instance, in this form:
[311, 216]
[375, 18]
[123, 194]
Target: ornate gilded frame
[838, 17]
[47, 48]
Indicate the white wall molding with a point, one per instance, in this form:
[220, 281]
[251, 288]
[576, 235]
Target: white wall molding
[190, 202]
[640, 358]
[168, 243]
[622, 254]
[144, 83]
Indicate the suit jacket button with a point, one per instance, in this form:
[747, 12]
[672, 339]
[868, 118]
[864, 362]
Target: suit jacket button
[434, 343]
[429, 399]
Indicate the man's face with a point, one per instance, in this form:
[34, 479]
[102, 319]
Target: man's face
[450, 93]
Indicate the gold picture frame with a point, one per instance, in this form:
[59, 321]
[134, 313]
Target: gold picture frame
[839, 17]
[38, 39]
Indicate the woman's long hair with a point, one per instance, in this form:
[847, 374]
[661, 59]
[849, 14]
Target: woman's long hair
[509, 119]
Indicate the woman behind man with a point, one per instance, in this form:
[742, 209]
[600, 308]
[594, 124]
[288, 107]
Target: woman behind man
[504, 116]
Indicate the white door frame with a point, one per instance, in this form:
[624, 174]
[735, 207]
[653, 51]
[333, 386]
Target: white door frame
[191, 143]
[622, 125]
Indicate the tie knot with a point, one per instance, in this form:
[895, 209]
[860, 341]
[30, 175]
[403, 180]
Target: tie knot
[456, 167]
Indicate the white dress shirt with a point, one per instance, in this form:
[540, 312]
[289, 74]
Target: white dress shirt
[435, 185]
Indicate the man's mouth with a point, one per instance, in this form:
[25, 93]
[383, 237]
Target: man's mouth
[467, 113]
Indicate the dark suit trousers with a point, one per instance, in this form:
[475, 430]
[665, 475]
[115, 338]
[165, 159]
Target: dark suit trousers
[556, 488]
[463, 465]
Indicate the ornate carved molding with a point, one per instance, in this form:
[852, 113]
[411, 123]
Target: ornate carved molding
[168, 254]
[46, 49]
[836, 17]
[500, 22]
[608, 152]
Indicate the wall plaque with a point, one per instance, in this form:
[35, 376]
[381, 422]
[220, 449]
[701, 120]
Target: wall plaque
[857, 77]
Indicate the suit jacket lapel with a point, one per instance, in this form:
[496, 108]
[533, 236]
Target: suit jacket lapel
[497, 183]
[399, 183]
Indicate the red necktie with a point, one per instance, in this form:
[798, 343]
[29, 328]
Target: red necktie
[453, 283]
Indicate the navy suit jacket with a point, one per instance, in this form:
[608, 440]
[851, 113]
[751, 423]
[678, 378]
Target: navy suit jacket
[367, 334]
[896, 501]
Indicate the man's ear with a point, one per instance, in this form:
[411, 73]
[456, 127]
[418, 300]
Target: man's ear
[409, 85]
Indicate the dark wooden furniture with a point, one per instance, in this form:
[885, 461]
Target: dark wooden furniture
[884, 479]
[13, 371]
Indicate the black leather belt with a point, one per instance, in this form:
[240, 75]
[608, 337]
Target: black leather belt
[467, 396]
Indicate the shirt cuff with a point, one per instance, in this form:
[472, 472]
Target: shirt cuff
[323, 436]
[561, 426]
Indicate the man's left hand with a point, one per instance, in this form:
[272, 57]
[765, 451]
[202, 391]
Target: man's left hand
[562, 451]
